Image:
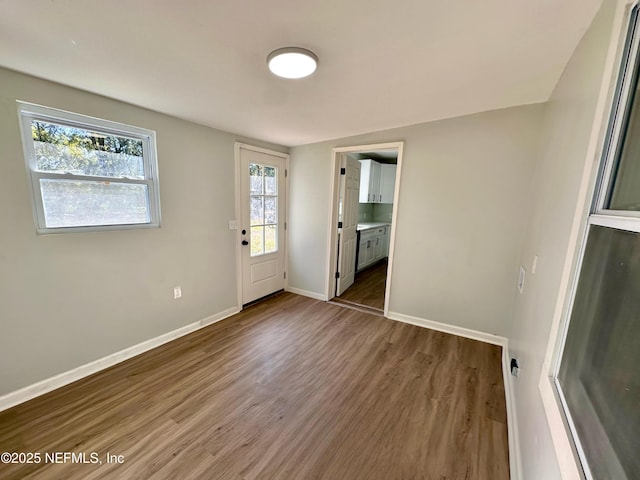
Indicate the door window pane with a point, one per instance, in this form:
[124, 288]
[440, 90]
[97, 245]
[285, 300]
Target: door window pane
[257, 241]
[263, 204]
[600, 374]
[270, 210]
[257, 210]
[255, 178]
[270, 239]
[270, 181]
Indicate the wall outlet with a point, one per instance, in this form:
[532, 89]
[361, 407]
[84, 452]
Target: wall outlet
[177, 292]
[521, 276]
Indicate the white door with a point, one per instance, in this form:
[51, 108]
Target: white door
[349, 192]
[262, 223]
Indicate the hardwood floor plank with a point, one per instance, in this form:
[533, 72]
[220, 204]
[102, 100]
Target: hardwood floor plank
[368, 288]
[288, 388]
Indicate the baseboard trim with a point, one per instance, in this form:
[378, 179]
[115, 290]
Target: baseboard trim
[307, 293]
[452, 329]
[515, 465]
[12, 399]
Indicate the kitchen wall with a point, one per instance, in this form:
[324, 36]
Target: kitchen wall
[375, 212]
[565, 135]
[365, 212]
[463, 207]
[69, 299]
[382, 212]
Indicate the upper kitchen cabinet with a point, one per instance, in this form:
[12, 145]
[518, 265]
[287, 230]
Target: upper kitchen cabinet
[369, 181]
[387, 182]
[377, 182]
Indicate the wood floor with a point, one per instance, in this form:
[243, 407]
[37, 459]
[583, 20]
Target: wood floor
[368, 287]
[291, 388]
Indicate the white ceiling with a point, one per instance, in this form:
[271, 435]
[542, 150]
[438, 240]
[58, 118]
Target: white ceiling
[383, 63]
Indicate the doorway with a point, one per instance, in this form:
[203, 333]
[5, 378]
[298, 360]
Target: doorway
[362, 225]
[261, 203]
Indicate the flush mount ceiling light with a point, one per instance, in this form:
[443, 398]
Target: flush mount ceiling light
[292, 62]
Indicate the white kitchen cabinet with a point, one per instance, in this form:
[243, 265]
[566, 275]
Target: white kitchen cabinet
[381, 245]
[378, 248]
[377, 181]
[365, 254]
[366, 249]
[369, 181]
[362, 254]
[387, 182]
[373, 246]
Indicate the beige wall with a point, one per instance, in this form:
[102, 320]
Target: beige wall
[68, 299]
[463, 205]
[568, 120]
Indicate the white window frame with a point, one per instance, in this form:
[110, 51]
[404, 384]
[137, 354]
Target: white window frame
[27, 112]
[596, 183]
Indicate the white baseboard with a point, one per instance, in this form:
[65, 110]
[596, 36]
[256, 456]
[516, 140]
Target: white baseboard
[306, 293]
[452, 329]
[515, 465]
[27, 393]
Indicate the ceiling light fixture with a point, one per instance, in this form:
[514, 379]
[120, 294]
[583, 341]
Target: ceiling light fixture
[292, 62]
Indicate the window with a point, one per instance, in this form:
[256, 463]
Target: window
[598, 373]
[263, 184]
[87, 173]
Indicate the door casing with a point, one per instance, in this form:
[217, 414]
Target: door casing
[332, 231]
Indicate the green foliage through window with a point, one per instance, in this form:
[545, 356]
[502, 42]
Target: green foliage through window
[65, 149]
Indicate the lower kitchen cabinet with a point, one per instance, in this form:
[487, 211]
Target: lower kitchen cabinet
[373, 246]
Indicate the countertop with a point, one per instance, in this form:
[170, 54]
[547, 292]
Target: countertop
[367, 226]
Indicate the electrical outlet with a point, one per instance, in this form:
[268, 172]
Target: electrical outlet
[177, 292]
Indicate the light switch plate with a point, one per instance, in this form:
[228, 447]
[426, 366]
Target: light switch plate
[233, 225]
[521, 276]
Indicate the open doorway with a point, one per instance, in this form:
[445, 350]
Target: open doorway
[362, 225]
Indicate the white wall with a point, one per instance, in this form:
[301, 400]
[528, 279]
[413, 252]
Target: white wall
[462, 210]
[68, 299]
[566, 131]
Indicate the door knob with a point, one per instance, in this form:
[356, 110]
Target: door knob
[244, 242]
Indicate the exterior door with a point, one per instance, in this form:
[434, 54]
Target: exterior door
[262, 223]
[348, 239]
